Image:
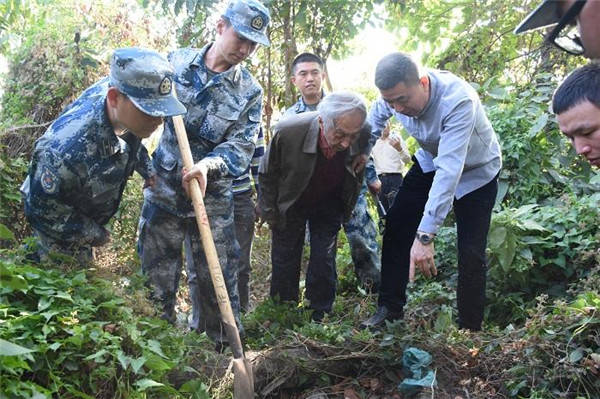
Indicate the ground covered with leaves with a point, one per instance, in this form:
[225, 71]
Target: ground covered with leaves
[68, 332]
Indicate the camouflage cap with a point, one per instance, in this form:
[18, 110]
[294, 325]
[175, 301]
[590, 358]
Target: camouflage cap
[146, 77]
[250, 19]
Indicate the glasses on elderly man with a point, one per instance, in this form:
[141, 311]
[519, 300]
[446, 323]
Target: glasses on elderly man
[565, 35]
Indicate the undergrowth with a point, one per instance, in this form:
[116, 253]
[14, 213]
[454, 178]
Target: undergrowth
[68, 334]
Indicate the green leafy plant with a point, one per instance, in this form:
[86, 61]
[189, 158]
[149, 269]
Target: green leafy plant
[66, 335]
[536, 249]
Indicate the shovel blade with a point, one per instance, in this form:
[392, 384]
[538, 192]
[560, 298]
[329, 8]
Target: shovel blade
[243, 380]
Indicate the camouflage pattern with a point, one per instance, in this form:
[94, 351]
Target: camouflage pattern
[361, 232]
[146, 77]
[244, 216]
[250, 19]
[224, 112]
[370, 172]
[223, 115]
[360, 229]
[160, 243]
[78, 171]
[300, 106]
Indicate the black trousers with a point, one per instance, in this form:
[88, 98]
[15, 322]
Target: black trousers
[390, 183]
[473, 213]
[324, 223]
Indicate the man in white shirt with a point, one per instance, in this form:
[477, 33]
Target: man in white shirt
[390, 157]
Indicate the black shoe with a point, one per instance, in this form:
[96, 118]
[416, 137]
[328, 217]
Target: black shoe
[317, 316]
[378, 320]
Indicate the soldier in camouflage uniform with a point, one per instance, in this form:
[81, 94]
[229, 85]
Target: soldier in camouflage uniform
[360, 229]
[80, 166]
[224, 105]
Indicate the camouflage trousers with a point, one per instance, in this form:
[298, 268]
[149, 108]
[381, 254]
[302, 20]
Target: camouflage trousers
[47, 249]
[162, 236]
[244, 234]
[361, 232]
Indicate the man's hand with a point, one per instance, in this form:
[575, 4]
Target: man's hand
[375, 187]
[422, 257]
[359, 162]
[395, 142]
[199, 172]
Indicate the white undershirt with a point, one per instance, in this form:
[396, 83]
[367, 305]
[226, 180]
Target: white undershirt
[387, 159]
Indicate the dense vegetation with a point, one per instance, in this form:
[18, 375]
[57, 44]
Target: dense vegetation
[67, 332]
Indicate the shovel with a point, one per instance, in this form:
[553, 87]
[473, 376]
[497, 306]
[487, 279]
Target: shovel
[243, 381]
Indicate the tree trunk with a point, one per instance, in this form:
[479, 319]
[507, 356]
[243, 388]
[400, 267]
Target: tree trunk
[290, 50]
[328, 84]
[269, 102]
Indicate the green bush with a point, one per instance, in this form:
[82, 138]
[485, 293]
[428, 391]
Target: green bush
[561, 346]
[540, 249]
[538, 161]
[64, 48]
[66, 335]
[12, 171]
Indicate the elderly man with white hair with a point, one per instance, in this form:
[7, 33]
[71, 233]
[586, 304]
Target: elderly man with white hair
[313, 171]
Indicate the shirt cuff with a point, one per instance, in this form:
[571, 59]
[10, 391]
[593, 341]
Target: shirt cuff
[428, 225]
[215, 167]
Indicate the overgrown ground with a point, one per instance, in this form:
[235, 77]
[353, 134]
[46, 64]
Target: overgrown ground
[112, 337]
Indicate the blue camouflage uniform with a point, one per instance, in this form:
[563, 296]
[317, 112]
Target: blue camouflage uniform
[79, 167]
[360, 229]
[244, 216]
[224, 111]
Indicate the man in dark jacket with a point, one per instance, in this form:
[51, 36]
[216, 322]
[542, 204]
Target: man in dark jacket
[313, 171]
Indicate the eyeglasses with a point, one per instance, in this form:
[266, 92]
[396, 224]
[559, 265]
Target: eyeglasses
[568, 39]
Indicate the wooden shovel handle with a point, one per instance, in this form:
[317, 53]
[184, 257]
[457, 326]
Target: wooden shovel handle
[208, 244]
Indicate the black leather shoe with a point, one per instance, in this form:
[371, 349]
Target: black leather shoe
[378, 320]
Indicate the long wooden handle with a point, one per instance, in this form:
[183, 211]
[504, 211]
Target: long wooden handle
[208, 244]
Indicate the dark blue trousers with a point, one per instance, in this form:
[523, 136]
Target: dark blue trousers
[324, 223]
[473, 213]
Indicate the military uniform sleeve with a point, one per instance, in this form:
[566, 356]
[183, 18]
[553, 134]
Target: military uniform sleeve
[370, 173]
[143, 163]
[366, 146]
[268, 177]
[232, 157]
[49, 203]
[457, 128]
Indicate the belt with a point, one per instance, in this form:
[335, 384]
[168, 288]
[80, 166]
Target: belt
[389, 174]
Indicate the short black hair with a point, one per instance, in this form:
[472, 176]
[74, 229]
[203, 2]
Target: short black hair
[581, 85]
[395, 68]
[306, 57]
